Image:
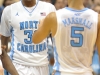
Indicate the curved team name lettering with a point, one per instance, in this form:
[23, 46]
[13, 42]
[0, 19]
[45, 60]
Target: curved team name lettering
[29, 25]
[75, 20]
[31, 48]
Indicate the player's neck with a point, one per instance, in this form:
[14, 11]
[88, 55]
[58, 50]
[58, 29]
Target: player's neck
[78, 5]
[29, 3]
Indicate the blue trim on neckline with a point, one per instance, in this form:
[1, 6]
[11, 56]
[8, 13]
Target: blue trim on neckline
[71, 9]
[33, 8]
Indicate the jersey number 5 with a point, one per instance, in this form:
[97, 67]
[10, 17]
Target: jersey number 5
[76, 35]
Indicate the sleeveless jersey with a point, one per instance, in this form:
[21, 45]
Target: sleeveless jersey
[21, 22]
[75, 39]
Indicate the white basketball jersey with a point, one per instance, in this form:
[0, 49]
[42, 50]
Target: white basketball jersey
[21, 22]
[75, 40]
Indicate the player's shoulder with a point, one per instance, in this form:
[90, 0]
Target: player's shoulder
[51, 17]
[91, 10]
[47, 4]
[60, 11]
[8, 8]
[16, 3]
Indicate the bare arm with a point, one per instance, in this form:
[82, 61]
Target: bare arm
[49, 24]
[98, 38]
[7, 64]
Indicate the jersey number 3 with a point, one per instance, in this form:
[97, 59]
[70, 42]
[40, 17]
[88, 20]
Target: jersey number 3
[76, 35]
[29, 32]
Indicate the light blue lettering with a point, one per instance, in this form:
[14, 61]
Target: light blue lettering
[36, 48]
[76, 21]
[44, 46]
[80, 20]
[73, 20]
[30, 48]
[26, 24]
[21, 25]
[26, 48]
[64, 22]
[22, 48]
[69, 21]
[84, 22]
[31, 24]
[36, 23]
[40, 47]
[18, 46]
[90, 25]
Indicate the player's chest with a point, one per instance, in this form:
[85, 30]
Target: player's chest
[27, 19]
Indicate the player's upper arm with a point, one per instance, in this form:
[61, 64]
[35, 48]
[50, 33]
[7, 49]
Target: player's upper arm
[5, 22]
[48, 25]
[98, 36]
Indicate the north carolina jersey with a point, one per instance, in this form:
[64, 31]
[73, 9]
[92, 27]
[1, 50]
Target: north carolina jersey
[21, 22]
[75, 39]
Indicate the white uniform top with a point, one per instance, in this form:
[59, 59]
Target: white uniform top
[75, 39]
[20, 22]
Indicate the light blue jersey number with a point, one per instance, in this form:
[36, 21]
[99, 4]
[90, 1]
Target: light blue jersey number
[76, 35]
[29, 32]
